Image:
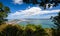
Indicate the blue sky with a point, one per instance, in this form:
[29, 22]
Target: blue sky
[21, 10]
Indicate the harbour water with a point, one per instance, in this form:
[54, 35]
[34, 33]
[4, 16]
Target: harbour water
[47, 23]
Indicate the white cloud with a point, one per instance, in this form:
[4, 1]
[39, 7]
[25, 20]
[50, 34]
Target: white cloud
[18, 1]
[31, 12]
[28, 12]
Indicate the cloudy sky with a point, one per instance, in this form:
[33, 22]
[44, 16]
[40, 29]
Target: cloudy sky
[21, 10]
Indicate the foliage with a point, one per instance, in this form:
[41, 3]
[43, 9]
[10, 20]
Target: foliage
[43, 3]
[29, 30]
[54, 32]
[4, 10]
[56, 21]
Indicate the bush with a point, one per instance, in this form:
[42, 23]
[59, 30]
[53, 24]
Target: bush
[29, 30]
[12, 31]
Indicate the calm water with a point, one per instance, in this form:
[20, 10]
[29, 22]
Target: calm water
[47, 23]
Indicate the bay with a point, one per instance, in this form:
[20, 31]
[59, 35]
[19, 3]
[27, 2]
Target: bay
[45, 23]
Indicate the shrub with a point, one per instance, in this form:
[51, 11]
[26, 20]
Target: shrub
[29, 30]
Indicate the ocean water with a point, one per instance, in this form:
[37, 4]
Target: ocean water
[46, 23]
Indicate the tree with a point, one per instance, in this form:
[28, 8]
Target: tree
[43, 3]
[33, 30]
[4, 10]
[56, 21]
[11, 30]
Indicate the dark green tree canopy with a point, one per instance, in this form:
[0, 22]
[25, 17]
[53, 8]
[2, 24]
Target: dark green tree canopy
[56, 20]
[43, 2]
[4, 10]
